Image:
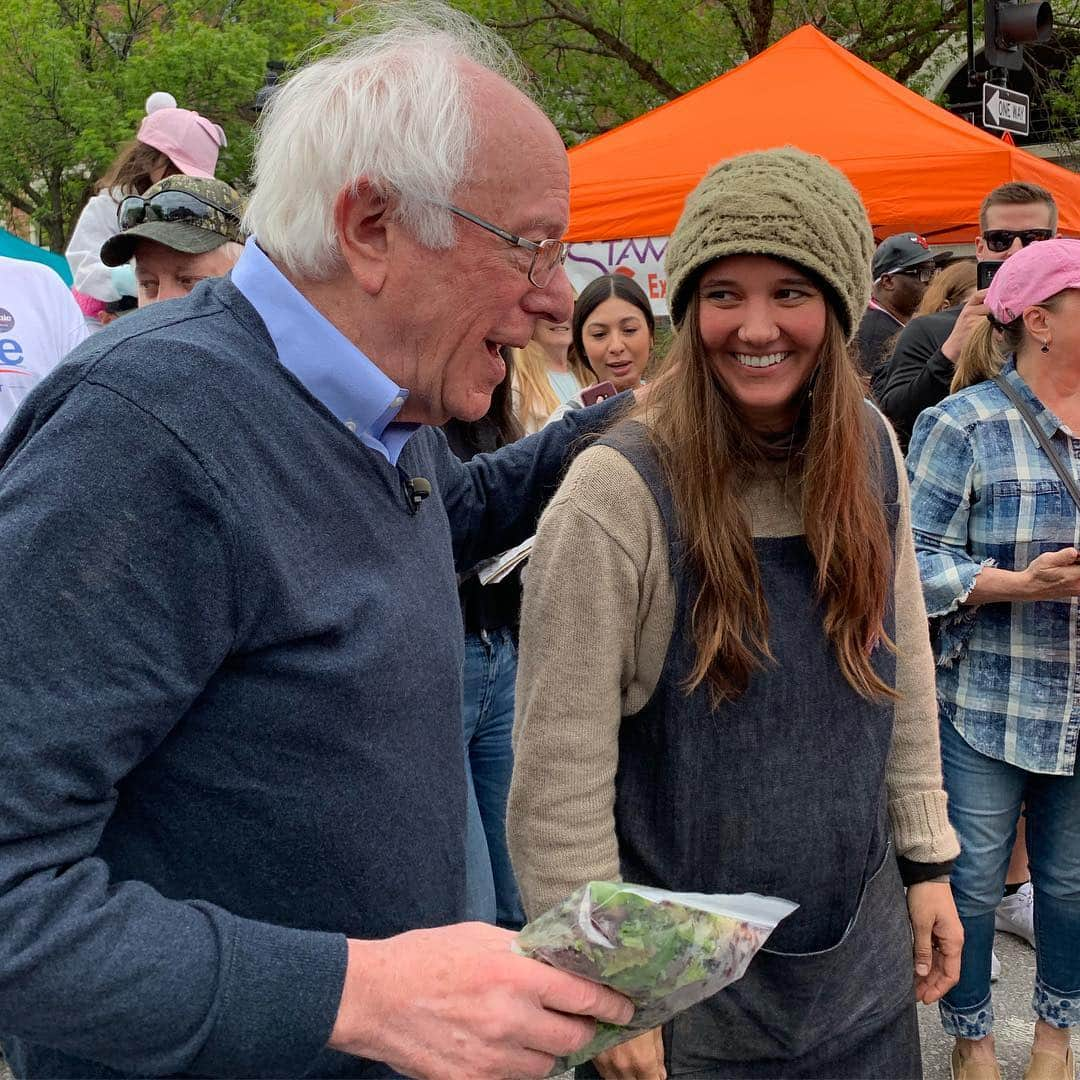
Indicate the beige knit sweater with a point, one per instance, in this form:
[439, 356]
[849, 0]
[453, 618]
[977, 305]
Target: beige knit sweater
[597, 619]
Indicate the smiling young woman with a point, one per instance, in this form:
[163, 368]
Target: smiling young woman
[613, 328]
[743, 544]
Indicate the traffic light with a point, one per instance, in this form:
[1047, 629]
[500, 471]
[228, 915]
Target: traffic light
[1009, 26]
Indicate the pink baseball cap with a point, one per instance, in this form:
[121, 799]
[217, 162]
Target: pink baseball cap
[1032, 275]
[188, 140]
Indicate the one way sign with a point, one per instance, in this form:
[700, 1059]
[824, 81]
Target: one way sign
[1006, 110]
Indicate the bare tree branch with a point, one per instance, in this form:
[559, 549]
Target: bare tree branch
[17, 201]
[525, 24]
[617, 48]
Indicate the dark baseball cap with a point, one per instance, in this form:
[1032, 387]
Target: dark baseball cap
[903, 252]
[210, 218]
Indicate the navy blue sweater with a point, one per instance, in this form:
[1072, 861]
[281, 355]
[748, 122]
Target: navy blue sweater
[230, 728]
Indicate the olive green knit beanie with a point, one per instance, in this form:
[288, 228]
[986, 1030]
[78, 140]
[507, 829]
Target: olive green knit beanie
[784, 203]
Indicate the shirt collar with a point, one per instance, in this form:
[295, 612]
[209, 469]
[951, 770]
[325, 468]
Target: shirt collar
[1046, 419]
[875, 306]
[330, 366]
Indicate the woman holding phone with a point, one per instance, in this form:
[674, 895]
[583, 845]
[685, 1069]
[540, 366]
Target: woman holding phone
[612, 330]
[759, 715]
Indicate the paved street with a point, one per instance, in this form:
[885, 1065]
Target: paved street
[1012, 1007]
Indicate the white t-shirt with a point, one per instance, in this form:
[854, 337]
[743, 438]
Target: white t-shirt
[40, 323]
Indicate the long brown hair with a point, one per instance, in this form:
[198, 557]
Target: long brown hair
[709, 456]
[132, 166]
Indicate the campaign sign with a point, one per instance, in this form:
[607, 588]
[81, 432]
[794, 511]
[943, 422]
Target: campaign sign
[641, 259]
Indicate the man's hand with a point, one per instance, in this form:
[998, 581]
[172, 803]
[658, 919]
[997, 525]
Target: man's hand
[457, 1004]
[637, 1059]
[973, 313]
[939, 938]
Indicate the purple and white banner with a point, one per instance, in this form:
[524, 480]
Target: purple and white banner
[641, 259]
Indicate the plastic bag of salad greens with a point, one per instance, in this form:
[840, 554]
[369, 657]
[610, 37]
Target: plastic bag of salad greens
[664, 950]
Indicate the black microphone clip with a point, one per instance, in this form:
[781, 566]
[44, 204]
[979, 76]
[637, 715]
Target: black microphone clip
[417, 489]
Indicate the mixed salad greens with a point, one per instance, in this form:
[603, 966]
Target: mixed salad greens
[665, 951]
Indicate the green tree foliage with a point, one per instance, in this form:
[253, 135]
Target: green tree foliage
[77, 73]
[1058, 80]
[602, 62]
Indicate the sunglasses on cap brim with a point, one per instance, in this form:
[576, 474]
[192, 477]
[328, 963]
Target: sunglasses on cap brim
[170, 206]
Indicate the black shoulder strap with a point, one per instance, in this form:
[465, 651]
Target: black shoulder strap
[889, 482]
[1040, 435]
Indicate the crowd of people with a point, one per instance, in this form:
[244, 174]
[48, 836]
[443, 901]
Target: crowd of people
[374, 592]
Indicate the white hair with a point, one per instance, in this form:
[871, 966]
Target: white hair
[233, 250]
[390, 106]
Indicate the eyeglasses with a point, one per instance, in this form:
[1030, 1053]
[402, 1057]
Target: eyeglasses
[1002, 239]
[924, 273]
[547, 255]
[173, 206]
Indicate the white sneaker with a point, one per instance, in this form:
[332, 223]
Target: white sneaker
[1015, 914]
[995, 967]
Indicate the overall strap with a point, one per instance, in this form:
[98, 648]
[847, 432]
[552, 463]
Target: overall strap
[631, 439]
[888, 480]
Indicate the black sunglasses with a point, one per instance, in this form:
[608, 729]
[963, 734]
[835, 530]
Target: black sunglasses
[169, 206]
[1002, 239]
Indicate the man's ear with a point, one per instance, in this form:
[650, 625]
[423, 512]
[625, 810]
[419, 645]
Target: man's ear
[887, 282]
[360, 222]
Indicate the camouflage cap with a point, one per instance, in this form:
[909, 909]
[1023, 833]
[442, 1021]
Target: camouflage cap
[216, 222]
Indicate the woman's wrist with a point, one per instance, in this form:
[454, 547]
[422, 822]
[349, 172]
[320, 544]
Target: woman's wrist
[919, 873]
[994, 585]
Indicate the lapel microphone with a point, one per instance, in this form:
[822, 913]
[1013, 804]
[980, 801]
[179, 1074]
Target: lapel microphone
[417, 489]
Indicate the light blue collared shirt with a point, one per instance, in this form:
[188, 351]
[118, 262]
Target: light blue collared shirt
[330, 366]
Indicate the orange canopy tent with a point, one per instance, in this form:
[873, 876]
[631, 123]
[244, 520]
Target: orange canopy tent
[917, 167]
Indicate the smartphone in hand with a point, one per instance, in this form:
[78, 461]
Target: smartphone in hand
[984, 273]
[599, 392]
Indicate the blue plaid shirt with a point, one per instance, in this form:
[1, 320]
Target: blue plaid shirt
[984, 493]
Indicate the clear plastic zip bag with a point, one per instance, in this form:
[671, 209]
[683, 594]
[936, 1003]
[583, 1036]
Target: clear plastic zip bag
[664, 950]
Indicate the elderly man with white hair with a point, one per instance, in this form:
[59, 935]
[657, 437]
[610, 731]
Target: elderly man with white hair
[232, 817]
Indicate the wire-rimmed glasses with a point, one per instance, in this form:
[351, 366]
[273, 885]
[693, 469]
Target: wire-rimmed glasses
[547, 255]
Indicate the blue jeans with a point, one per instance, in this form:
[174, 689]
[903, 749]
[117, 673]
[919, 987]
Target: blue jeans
[488, 712]
[985, 796]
